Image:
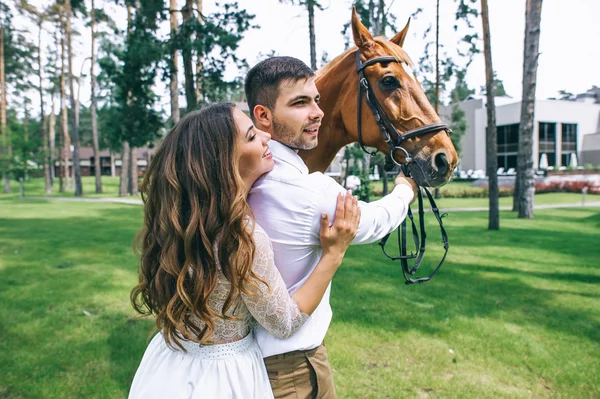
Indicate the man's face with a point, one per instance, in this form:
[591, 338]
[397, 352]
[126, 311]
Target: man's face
[297, 116]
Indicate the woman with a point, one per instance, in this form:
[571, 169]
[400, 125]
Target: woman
[207, 271]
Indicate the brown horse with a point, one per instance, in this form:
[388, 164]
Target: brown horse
[401, 98]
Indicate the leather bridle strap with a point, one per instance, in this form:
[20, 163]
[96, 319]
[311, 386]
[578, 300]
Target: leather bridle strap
[394, 140]
[363, 85]
[419, 244]
[388, 131]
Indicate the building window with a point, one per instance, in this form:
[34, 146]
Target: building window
[547, 141]
[569, 142]
[507, 161]
[569, 137]
[507, 138]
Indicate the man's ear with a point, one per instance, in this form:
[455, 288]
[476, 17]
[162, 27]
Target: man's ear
[262, 116]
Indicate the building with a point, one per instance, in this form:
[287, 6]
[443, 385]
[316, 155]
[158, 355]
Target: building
[565, 132]
[110, 163]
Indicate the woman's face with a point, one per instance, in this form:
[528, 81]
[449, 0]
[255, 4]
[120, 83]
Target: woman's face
[255, 157]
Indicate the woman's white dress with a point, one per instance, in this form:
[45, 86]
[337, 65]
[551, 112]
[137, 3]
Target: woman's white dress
[233, 367]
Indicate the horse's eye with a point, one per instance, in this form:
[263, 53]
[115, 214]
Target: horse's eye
[389, 83]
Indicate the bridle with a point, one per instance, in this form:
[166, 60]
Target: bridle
[394, 139]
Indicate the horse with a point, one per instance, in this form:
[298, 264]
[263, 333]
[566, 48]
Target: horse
[401, 122]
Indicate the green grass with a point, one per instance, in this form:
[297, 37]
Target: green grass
[513, 313]
[35, 187]
[540, 199]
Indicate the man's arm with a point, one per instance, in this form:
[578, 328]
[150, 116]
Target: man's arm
[378, 218]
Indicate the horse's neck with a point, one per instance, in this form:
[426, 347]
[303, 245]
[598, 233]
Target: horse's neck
[335, 87]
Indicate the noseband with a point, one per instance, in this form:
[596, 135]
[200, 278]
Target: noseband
[394, 140]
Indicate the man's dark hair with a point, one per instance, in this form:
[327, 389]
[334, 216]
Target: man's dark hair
[263, 80]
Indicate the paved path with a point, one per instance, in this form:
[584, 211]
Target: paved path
[508, 208]
[129, 201]
[133, 201]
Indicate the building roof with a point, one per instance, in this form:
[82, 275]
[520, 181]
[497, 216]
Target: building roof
[498, 100]
[592, 95]
[88, 152]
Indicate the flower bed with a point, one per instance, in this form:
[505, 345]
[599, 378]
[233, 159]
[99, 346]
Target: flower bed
[573, 186]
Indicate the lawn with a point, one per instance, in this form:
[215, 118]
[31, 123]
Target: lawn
[35, 188]
[513, 313]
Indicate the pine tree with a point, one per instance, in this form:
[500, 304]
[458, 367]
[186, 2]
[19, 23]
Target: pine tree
[491, 152]
[310, 5]
[39, 18]
[525, 184]
[97, 166]
[17, 55]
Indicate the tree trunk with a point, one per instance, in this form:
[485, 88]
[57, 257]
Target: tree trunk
[61, 161]
[382, 18]
[491, 150]
[174, 85]
[52, 139]
[347, 171]
[124, 181]
[199, 58]
[517, 189]
[25, 151]
[74, 127]
[113, 173]
[526, 185]
[436, 192]
[437, 56]
[97, 164]
[310, 4]
[5, 145]
[384, 177]
[66, 141]
[47, 180]
[133, 173]
[190, 91]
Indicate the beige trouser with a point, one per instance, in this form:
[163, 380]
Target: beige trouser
[301, 375]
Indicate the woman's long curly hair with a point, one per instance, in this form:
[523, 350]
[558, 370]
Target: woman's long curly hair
[194, 198]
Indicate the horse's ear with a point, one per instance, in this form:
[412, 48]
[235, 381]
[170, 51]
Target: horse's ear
[362, 38]
[400, 36]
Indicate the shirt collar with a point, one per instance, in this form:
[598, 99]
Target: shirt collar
[285, 154]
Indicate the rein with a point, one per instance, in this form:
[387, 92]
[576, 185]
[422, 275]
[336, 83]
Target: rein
[394, 140]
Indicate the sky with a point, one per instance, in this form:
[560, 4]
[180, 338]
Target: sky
[569, 50]
[570, 53]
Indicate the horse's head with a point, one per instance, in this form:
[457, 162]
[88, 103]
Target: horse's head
[406, 106]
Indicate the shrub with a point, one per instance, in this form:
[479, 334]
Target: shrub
[567, 187]
[474, 192]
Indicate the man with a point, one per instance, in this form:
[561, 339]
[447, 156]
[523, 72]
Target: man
[288, 202]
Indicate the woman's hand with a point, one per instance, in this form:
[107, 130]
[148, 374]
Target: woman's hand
[336, 239]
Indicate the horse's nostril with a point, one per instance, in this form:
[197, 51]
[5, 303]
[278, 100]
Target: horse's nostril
[441, 162]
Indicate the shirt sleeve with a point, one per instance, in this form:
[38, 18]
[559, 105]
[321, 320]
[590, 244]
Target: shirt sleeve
[378, 218]
[272, 306]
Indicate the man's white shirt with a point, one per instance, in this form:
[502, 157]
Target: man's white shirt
[288, 202]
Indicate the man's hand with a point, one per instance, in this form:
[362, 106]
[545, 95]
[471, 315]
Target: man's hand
[401, 179]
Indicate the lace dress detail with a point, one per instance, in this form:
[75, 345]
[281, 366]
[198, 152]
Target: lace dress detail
[231, 365]
[272, 307]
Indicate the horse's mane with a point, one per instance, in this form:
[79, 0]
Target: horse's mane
[393, 50]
